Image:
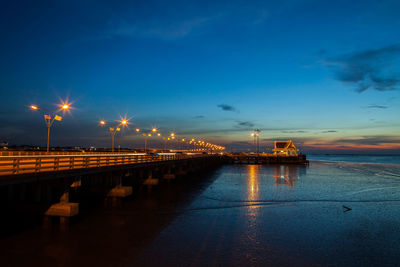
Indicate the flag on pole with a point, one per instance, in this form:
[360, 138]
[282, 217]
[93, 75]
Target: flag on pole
[47, 117]
[58, 118]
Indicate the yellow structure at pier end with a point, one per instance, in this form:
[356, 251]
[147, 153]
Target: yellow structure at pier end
[285, 148]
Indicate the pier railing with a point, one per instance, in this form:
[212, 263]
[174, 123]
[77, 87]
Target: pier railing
[11, 165]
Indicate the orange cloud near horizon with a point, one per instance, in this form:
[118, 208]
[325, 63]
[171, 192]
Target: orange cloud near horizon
[347, 146]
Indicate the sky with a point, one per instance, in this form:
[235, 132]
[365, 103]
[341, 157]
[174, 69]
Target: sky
[325, 74]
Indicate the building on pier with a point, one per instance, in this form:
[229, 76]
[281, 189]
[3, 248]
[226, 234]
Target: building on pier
[285, 148]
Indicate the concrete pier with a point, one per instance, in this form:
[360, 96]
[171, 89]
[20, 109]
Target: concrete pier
[46, 194]
[64, 210]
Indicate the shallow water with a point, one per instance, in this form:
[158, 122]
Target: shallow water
[287, 216]
[380, 159]
[246, 215]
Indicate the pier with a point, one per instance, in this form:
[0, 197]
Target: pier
[44, 182]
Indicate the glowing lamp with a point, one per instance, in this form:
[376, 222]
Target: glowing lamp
[34, 107]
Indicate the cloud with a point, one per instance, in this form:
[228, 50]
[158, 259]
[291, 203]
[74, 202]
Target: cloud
[158, 28]
[226, 107]
[293, 131]
[163, 20]
[370, 140]
[245, 124]
[329, 131]
[376, 106]
[370, 69]
[239, 145]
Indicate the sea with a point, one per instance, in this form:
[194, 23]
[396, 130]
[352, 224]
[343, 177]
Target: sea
[354, 158]
[341, 210]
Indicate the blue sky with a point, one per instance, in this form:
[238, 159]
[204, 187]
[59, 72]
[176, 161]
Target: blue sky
[324, 73]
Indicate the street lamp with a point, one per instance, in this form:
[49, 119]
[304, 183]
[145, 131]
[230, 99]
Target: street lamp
[180, 144]
[256, 135]
[147, 133]
[114, 130]
[50, 116]
[167, 138]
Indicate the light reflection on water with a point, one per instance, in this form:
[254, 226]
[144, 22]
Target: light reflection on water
[289, 216]
[253, 172]
[286, 175]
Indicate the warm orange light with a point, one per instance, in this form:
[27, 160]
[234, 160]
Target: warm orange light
[137, 130]
[158, 134]
[183, 139]
[149, 134]
[124, 122]
[102, 122]
[154, 129]
[34, 107]
[172, 134]
[65, 106]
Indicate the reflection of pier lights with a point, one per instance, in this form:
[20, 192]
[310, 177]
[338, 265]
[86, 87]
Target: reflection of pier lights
[287, 174]
[253, 185]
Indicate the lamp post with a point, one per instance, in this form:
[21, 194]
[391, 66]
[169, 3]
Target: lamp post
[167, 138]
[180, 144]
[172, 136]
[193, 143]
[165, 142]
[114, 130]
[50, 116]
[256, 135]
[147, 133]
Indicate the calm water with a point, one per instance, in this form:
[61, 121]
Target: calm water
[287, 215]
[380, 159]
[239, 215]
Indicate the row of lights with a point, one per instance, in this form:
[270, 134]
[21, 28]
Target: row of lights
[51, 115]
[154, 131]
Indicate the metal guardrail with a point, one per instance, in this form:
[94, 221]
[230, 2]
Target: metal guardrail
[12, 165]
[54, 153]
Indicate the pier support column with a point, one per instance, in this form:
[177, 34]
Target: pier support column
[150, 181]
[119, 192]
[77, 183]
[169, 176]
[64, 209]
[180, 171]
